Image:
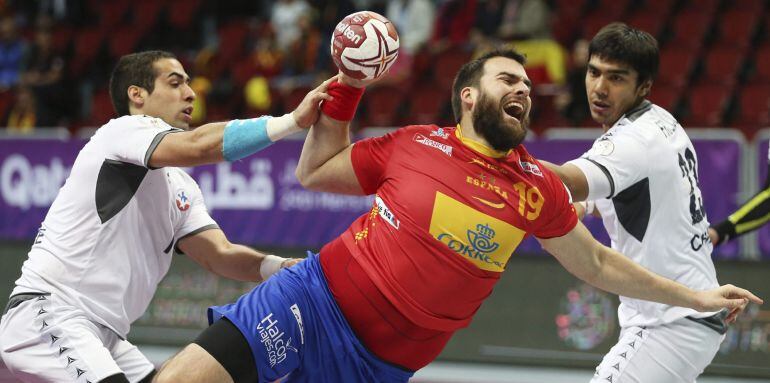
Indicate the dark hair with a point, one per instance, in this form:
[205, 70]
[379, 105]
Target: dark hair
[134, 69]
[470, 75]
[623, 44]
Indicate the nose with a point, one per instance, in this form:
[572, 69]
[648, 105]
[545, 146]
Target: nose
[521, 89]
[189, 93]
[600, 86]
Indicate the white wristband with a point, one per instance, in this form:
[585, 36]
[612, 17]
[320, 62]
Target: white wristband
[270, 265]
[280, 127]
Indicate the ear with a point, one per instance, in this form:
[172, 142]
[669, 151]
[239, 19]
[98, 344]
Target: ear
[136, 95]
[468, 97]
[644, 88]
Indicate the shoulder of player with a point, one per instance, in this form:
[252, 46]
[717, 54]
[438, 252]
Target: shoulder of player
[135, 121]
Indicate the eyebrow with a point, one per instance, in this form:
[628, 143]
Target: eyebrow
[611, 71]
[177, 74]
[526, 81]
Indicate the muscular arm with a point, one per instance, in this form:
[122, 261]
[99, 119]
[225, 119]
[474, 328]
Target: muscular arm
[212, 250]
[325, 163]
[609, 270]
[203, 145]
[752, 215]
[572, 177]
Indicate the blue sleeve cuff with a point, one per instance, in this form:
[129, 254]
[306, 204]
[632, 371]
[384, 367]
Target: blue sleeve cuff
[243, 138]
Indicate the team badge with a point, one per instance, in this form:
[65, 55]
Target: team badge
[182, 201]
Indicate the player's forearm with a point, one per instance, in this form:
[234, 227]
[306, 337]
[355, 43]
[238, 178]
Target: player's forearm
[327, 138]
[620, 275]
[242, 263]
[749, 217]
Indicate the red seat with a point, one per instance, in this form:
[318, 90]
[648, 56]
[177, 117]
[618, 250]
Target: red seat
[649, 22]
[124, 40]
[723, 65]
[761, 67]
[569, 7]
[447, 63]
[111, 13]
[101, 108]
[707, 105]
[667, 97]
[87, 44]
[382, 104]
[146, 13]
[737, 28]
[675, 66]
[690, 27]
[426, 104]
[754, 101]
[182, 13]
[614, 9]
[594, 22]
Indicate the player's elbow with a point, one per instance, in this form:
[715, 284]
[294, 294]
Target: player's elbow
[308, 179]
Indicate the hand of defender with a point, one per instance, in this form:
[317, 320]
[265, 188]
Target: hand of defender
[728, 296]
[309, 109]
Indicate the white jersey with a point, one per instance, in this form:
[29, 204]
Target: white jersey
[643, 175]
[110, 234]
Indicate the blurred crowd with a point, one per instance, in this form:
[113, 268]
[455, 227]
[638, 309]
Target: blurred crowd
[254, 57]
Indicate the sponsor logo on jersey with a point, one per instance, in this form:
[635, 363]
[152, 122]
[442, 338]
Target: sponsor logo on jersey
[485, 241]
[603, 147]
[385, 213]
[182, 201]
[439, 132]
[487, 165]
[498, 205]
[530, 167]
[298, 317]
[276, 343]
[447, 149]
[486, 182]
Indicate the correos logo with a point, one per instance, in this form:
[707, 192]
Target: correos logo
[25, 186]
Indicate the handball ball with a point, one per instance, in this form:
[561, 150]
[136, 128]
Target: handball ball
[364, 45]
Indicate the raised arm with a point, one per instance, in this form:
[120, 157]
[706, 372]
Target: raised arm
[325, 163]
[220, 141]
[609, 270]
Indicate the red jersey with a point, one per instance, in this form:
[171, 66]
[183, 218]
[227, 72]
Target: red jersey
[448, 214]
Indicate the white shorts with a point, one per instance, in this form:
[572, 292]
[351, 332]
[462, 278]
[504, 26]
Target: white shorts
[676, 352]
[44, 340]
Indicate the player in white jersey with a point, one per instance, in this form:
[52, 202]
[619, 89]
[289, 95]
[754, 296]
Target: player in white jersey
[641, 175]
[110, 234]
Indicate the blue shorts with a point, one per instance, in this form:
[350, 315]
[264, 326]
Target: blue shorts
[295, 329]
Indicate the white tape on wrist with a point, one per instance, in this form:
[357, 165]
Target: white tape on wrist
[270, 265]
[590, 206]
[280, 127]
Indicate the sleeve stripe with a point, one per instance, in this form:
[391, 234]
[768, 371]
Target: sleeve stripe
[196, 231]
[606, 173]
[154, 144]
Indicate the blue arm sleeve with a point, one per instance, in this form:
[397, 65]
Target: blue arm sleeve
[243, 138]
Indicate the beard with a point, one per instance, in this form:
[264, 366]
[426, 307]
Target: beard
[488, 123]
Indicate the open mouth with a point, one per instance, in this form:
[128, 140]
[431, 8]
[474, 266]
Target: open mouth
[188, 111]
[514, 109]
[601, 105]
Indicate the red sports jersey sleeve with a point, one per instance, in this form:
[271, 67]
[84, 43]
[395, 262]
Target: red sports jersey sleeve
[370, 159]
[559, 216]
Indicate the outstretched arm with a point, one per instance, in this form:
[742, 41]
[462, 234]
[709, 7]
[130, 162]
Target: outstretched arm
[219, 141]
[609, 270]
[751, 216]
[212, 250]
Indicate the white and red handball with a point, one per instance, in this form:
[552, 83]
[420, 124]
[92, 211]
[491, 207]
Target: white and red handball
[364, 45]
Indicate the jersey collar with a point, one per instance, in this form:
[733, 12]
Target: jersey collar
[478, 146]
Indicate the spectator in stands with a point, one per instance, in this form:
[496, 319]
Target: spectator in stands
[414, 22]
[525, 20]
[43, 74]
[12, 50]
[572, 101]
[285, 17]
[21, 116]
[454, 21]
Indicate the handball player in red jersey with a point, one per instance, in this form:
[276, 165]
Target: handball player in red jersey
[451, 205]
